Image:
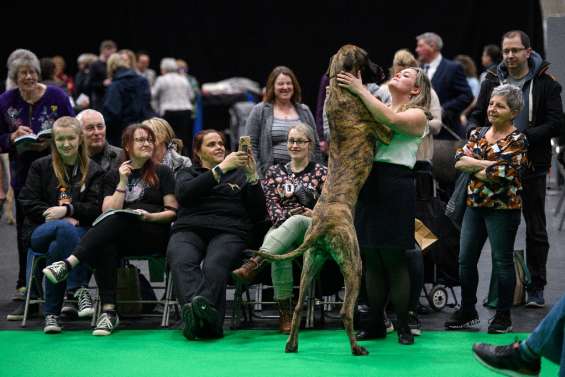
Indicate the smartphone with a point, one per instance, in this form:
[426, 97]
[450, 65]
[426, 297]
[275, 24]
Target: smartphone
[244, 144]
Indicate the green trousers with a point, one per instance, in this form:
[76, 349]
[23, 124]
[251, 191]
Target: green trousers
[288, 236]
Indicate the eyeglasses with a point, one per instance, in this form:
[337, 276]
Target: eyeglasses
[143, 140]
[514, 51]
[298, 142]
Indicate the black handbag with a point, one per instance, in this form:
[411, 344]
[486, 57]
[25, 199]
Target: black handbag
[456, 205]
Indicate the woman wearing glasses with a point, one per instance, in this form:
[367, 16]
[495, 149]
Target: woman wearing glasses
[269, 121]
[143, 186]
[291, 191]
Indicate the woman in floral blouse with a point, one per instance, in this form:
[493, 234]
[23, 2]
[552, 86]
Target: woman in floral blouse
[493, 207]
[291, 191]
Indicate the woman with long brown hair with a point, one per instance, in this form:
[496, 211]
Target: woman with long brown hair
[142, 186]
[60, 200]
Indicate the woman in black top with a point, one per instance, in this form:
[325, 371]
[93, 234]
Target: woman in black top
[60, 200]
[142, 186]
[220, 198]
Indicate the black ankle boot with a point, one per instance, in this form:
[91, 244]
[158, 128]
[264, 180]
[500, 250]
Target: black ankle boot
[405, 336]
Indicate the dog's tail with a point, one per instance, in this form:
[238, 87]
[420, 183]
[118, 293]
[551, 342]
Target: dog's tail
[307, 244]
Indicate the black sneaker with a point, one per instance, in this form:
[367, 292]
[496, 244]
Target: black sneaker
[405, 335]
[463, 320]
[56, 272]
[19, 294]
[506, 359]
[85, 307]
[18, 313]
[535, 299]
[189, 322]
[414, 324]
[501, 323]
[52, 325]
[106, 324]
[69, 311]
[206, 318]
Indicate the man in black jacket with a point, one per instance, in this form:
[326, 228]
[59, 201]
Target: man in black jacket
[540, 120]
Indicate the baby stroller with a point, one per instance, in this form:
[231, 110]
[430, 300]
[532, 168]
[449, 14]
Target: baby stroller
[441, 267]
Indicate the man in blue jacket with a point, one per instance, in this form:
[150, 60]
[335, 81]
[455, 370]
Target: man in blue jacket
[539, 120]
[448, 80]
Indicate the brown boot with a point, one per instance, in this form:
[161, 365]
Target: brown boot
[286, 309]
[248, 271]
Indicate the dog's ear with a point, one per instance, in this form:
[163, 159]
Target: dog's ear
[374, 71]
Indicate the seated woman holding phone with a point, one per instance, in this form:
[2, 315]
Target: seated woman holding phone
[220, 200]
[291, 190]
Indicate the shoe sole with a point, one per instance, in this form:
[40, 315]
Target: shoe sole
[471, 325]
[495, 331]
[506, 372]
[534, 305]
[11, 317]
[416, 332]
[52, 330]
[86, 313]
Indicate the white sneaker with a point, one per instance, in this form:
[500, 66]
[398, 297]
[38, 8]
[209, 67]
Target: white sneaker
[51, 324]
[85, 307]
[56, 272]
[107, 322]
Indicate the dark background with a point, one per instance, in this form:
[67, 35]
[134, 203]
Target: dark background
[237, 38]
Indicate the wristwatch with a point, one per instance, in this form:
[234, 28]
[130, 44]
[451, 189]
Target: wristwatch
[218, 173]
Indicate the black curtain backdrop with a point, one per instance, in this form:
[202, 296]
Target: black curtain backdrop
[248, 38]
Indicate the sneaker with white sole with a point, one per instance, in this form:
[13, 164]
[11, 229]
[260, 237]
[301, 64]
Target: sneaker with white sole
[52, 325]
[56, 272]
[84, 300]
[106, 324]
[69, 311]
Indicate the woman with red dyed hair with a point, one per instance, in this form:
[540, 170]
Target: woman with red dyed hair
[143, 186]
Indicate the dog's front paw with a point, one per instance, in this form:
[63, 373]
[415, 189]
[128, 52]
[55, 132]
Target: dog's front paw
[291, 348]
[358, 350]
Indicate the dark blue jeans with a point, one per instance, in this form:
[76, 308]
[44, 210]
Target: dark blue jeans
[58, 239]
[547, 338]
[500, 226]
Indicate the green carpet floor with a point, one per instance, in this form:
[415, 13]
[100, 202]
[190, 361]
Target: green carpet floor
[247, 353]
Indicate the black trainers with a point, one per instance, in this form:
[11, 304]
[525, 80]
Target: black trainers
[206, 317]
[414, 324]
[501, 323]
[69, 311]
[85, 307]
[18, 313]
[463, 320]
[506, 359]
[106, 324]
[56, 272]
[189, 322]
[52, 325]
[405, 335]
[535, 299]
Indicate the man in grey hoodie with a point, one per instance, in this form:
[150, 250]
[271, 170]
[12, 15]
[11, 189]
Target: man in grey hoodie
[540, 120]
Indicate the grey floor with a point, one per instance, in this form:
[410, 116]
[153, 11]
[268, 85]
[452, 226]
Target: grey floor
[523, 319]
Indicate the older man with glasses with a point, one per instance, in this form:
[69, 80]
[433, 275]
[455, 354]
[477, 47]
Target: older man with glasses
[539, 120]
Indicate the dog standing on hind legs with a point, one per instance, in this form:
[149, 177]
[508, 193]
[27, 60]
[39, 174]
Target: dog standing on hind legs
[353, 135]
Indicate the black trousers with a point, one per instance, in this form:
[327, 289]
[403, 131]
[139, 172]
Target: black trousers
[117, 236]
[181, 121]
[537, 243]
[201, 261]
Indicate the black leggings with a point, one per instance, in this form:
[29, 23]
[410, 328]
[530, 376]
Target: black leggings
[116, 236]
[387, 269]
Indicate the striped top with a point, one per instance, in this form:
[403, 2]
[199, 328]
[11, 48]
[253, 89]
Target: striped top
[279, 137]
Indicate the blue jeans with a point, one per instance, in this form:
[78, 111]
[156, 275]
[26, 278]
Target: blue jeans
[547, 338]
[500, 226]
[58, 239]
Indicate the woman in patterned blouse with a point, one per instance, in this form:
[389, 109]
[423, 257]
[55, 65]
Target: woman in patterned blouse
[291, 191]
[493, 207]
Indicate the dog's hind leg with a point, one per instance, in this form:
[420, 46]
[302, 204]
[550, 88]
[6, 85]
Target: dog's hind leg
[313, 262]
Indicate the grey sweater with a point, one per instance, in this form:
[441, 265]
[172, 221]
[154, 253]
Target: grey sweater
[259, 127]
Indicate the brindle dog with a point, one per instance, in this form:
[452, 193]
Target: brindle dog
[332, 233]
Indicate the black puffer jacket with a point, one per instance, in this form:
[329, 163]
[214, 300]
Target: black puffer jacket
[546, 115]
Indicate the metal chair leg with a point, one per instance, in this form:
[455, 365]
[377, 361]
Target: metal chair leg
[168, 299]
[28, 293]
